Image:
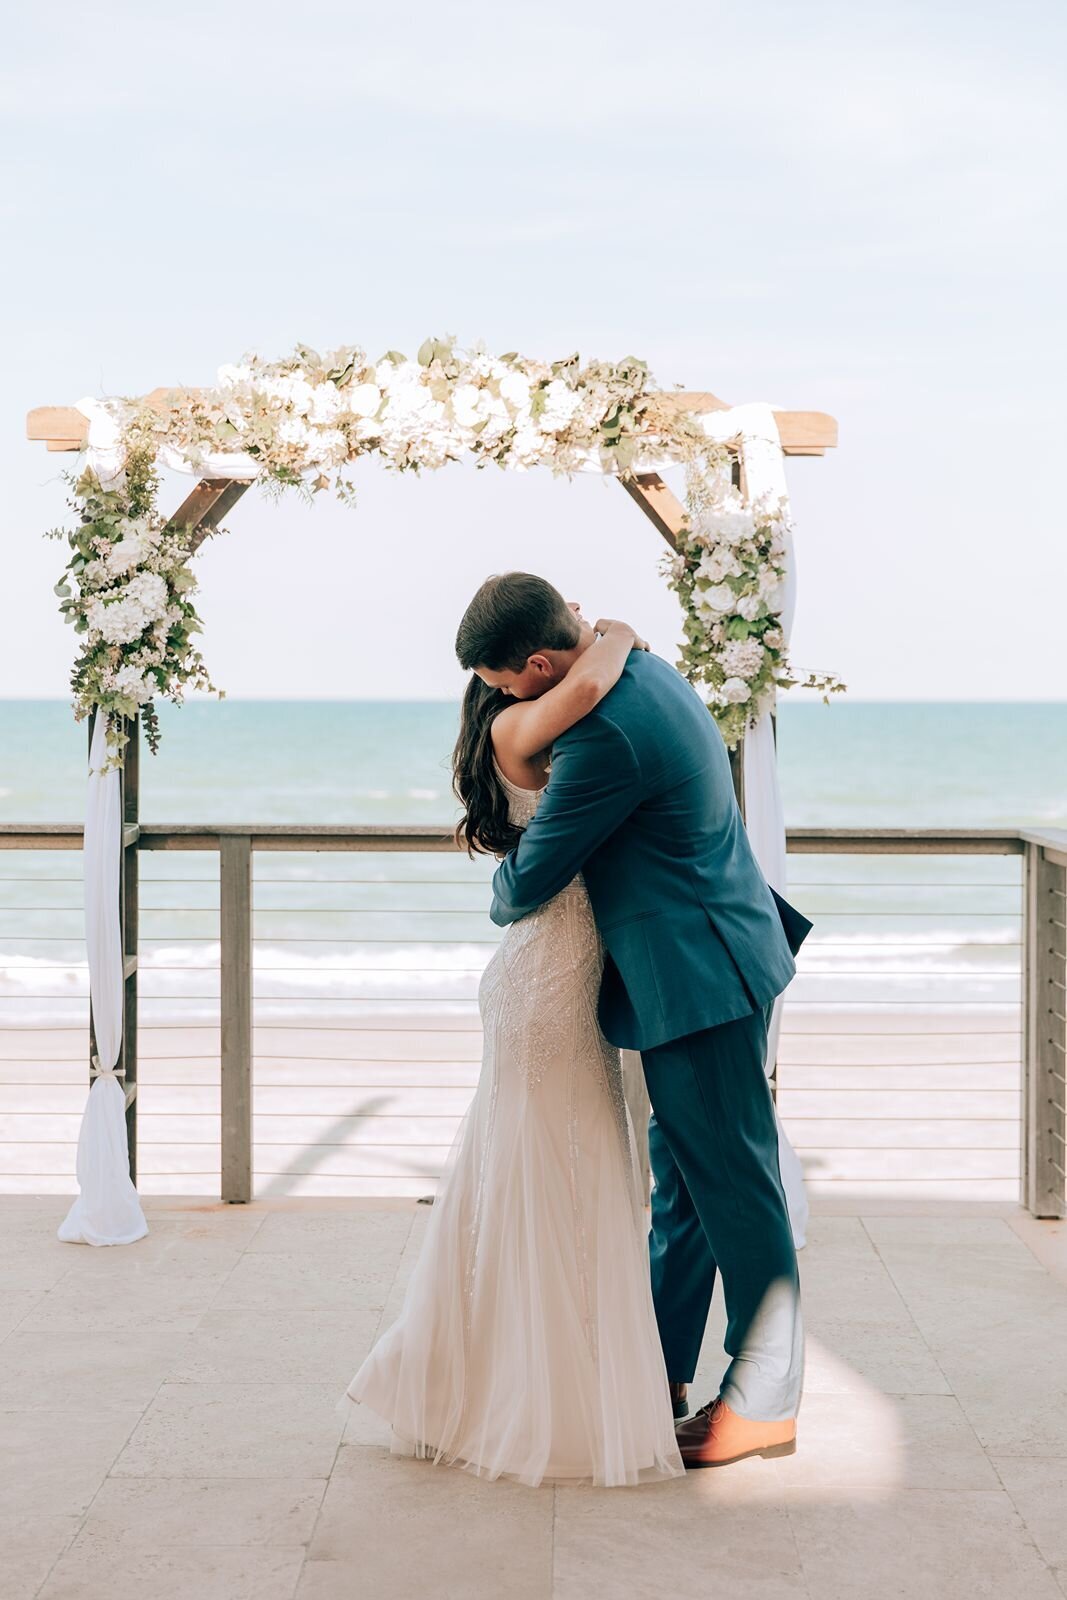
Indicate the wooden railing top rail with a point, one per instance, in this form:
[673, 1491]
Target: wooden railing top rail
[437, 837]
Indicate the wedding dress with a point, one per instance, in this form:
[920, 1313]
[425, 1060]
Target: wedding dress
[527, 1344]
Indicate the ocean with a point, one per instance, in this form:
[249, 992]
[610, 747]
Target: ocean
[400, 930]
[846, 764]
[898, 1067]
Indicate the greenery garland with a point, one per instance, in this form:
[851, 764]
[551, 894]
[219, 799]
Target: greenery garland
[128, 586]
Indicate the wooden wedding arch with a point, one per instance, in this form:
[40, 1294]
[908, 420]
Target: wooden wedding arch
[64, 429]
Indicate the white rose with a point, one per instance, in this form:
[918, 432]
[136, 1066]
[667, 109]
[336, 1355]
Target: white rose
[735, 691]
[364, 399]
[749, 607]
[720, 598]
[465, 408]
[515, 389]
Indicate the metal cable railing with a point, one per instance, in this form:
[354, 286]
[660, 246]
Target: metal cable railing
[899, 1066]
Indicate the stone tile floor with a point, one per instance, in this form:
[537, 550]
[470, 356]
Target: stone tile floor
[168, 1428]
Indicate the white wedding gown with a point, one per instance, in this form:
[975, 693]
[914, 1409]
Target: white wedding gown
[527, 1344]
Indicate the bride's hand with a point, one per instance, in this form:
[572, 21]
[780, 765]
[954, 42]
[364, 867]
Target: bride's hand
[603, 624]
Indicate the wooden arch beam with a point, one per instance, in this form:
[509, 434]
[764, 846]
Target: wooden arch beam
[803, 433]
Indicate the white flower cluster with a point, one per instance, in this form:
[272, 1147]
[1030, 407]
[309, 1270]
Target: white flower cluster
[731, 579]
[122, 615]
[303, 419]
[311, 414]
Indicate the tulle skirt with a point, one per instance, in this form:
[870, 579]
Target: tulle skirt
[527, 1344]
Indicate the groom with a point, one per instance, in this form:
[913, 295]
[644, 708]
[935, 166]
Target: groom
[697, 947]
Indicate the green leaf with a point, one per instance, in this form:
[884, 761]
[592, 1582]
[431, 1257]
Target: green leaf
[61, 588]
[427, 350]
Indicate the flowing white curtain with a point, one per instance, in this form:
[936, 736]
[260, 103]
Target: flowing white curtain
[107, 1210]
[764, 470]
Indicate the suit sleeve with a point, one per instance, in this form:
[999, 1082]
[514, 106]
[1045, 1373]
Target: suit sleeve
[594, 786]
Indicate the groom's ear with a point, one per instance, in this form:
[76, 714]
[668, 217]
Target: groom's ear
[539, 663]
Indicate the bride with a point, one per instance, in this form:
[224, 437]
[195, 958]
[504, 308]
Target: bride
[527, 1345]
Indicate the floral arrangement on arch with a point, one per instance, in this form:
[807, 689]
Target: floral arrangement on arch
[128, 586]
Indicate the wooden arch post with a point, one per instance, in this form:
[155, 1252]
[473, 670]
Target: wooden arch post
[62, 429]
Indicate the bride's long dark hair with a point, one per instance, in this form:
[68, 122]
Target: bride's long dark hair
[485, 825]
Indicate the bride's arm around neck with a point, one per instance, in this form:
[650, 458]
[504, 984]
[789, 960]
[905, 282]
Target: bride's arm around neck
[525, 732]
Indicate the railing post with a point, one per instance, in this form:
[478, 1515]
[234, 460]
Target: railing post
[1045, 994]
[235, 975]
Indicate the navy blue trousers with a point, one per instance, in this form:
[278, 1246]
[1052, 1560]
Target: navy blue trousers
[719, 1206]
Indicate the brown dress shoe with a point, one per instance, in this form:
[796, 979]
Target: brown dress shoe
[716, 1436]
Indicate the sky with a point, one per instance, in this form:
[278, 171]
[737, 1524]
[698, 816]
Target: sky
[833, 207]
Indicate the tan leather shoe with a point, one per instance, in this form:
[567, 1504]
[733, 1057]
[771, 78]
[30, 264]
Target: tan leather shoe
[716, 1436]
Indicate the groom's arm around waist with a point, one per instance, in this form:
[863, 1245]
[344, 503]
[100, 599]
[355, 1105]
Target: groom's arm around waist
[594, 786]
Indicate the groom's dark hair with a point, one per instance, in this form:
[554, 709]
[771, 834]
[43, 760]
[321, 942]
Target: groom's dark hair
[512, 617]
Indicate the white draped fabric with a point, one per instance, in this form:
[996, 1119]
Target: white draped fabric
[764, 471]
[107, 1210]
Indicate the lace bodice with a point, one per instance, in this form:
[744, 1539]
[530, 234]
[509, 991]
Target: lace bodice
[522, 803]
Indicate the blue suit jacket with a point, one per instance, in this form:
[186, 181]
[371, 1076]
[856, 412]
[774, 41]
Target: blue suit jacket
[641, 801]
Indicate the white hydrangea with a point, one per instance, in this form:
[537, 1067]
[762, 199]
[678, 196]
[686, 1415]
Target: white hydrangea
[327, 447]
[232, 377]
[131, 681]
[290, 388]
[742, 658]
[293, 431]
[731, 523]
[527, 448]
[561, 402]
[128, 553]
[123, 617]
[718, 563]
[327, 403]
